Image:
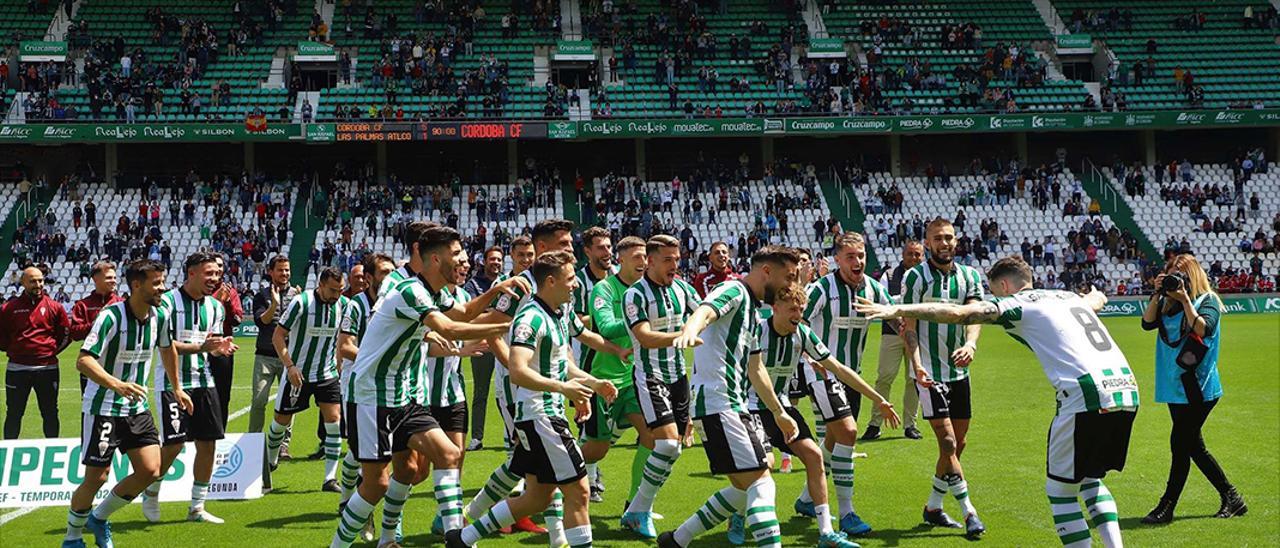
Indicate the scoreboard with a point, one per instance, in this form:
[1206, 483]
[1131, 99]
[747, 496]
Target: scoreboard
[373, 131]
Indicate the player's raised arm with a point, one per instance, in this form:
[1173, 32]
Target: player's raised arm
[514, 287]
[979, 312]
[701, 318]
[1095, 299]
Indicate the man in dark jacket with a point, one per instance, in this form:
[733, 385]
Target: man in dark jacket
[36, 328]
[85, 311]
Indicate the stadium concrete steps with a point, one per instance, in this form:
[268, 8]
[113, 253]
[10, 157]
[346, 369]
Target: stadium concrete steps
[1119, 211]
[304, 228]
[569, 200]
[18, 216]
[849, 213]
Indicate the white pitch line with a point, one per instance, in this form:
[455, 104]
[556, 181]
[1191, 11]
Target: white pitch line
[6, 518]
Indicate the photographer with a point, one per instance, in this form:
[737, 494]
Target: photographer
[1186, 312]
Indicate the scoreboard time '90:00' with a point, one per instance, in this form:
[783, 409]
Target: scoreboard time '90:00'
[409, 131]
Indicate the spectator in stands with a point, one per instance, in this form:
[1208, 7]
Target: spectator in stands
[36, 329]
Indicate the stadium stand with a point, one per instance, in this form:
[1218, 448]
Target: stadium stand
[951, 57]
[1226, 214]
[1182, 53]
[1049, 221]
[24, 21]
[159, 61]
[673, 60]
[89, 221]
[473, 60]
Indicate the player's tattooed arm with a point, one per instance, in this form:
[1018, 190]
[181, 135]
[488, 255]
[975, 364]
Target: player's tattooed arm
[977, 312]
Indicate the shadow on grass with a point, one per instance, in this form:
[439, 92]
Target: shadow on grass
[1135, 522]
[329, 519]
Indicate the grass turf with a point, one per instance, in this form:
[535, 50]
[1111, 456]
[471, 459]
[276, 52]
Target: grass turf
[1004, 465]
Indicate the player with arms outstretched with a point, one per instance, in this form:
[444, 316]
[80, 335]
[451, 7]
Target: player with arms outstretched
[1096, 392]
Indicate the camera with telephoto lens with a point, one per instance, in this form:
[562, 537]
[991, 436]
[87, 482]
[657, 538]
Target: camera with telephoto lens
[1174, 281]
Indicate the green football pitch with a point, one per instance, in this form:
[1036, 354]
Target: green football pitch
[1004, 465]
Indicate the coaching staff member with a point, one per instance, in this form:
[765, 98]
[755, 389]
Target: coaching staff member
[86, 310]
[35, 328]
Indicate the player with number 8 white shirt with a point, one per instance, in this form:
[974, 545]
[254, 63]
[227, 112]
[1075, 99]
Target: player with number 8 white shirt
[1096, 392]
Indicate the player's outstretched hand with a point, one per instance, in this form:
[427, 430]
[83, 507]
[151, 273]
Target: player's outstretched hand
[474, 348]
[219, 346]
[436, 339]
[606, 390]
[131, 391]
[514, 286]
[963, 356]
[890, 416]
[922, 377]
[575, 391]
[874, 311]
[687, 340]
[787, 425]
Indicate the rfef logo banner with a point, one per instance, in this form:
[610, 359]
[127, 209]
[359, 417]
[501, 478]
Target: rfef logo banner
[46, 472]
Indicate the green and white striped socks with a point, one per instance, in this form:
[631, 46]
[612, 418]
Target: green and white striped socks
[579, 537]
[199, 490]
[332, 449]
[938, 490]
[762, 515]
[350, 475]
[1068, 520]
[715, 511]
[448, 492]
[553, 518]
[110, 504]
[657, 469]
[842, 475]
[1102, 509]
[496, 518]
[75, 523]
[392, 505]
[351, 521]
[501, 482]
[960, 490]
[275, 438]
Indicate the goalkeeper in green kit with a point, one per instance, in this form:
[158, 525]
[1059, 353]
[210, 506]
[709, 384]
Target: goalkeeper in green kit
[607, 421]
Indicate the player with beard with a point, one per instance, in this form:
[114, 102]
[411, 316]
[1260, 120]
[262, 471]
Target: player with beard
[597, 246]
[609, 419]
[940, 356]
[719, 272]
[306, 339]
[830, 313]
[1096, 392]
[733, 438]
[656, 309]
[189, 401]
[116, 359]
[386, 423]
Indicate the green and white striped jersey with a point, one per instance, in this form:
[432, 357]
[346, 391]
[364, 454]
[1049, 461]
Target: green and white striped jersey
[545, 331]
[356, 319]
[419, 377]
[719, 383]
[123, 344]
[392, 346]
[312, 342]
[191, 321]
[781, 357]
[1084, 365]
[446, 386]
[665, 308]
[504, 391]
[831, 314]
[582, 307]
[927, 284]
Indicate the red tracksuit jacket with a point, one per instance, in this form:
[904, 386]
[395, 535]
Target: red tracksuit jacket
[33, 331]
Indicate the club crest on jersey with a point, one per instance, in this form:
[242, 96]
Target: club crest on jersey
[523, 332]
[503, 302]
[601, 304]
